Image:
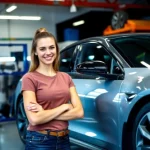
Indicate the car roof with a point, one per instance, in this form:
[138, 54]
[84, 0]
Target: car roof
[115, 36]
[128, 34]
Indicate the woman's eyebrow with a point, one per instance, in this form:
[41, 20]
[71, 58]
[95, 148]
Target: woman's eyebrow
[48, 46]
[42, 47]
[51, 45]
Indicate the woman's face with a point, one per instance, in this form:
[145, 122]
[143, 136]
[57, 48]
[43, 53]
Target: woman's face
[46, 50]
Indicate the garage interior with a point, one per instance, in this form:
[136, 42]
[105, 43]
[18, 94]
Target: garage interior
[57, 16]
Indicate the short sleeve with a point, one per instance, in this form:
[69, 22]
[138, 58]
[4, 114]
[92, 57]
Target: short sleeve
[70, 82]
[28, 83]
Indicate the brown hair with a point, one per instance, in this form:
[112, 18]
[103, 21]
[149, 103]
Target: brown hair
[42, 33]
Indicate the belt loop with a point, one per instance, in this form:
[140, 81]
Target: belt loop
[48, 132]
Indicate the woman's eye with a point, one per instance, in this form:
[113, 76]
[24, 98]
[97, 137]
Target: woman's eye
[51, 47]
[42, 49]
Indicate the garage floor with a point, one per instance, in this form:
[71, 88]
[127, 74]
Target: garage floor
[9, 138]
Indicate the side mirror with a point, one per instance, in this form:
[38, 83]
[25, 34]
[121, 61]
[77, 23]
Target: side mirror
[92, 67]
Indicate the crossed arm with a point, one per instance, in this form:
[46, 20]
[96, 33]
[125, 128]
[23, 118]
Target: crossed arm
[37, 115]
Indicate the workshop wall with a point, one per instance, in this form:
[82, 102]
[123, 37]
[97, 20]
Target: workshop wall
[51, 15]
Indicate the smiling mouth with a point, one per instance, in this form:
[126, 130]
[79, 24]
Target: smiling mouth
[48, 58]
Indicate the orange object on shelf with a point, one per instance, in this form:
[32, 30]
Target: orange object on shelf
[130, 26]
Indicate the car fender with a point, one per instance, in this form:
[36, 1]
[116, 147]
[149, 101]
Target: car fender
[138, 98]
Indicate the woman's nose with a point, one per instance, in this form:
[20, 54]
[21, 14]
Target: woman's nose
[48, 51]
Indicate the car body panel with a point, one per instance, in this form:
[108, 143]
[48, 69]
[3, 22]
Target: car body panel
[98, 100]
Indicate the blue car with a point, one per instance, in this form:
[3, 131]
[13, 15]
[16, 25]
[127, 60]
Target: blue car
[112, 78]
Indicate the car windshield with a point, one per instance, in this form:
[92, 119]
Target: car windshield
[135, 50]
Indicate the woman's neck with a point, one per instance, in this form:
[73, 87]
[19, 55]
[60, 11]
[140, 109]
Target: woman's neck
[46, 70]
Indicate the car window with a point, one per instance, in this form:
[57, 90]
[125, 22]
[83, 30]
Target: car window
[96, 52]
[135, 50]
[66, 62]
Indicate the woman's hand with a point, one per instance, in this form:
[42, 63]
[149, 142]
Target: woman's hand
[35, 107]
[70, 106]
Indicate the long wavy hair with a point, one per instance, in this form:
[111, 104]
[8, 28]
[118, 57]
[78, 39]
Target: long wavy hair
[42, 33]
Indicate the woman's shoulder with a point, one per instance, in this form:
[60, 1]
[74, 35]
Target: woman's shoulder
[67, 78]
[63, 74]
[29, 75]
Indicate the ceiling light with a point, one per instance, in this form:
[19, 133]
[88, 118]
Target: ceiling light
[20, 17]
[78, 23]
[73, 8]
[11, 8]
[6, 59]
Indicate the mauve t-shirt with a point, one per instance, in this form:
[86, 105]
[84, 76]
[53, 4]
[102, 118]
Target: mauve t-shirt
[50, 92]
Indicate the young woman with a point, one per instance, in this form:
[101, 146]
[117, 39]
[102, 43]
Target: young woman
[50, 97]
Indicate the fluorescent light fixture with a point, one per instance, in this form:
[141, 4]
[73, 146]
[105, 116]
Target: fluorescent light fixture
[11, 8]
[78, 23]
[6, 59]
[20, 17]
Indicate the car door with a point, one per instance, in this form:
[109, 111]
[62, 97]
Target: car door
[100, 99]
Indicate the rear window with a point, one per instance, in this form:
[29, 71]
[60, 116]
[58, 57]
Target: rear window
[135, 50]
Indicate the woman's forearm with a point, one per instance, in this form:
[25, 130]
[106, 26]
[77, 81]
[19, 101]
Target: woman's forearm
[44, 116]
[74, 113]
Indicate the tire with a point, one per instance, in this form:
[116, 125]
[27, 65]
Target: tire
[21, 120]
[119, 19]
[139, 136]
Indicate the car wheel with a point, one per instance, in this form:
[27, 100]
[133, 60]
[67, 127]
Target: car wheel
[119, 19]
[141, 129]
[21, 120]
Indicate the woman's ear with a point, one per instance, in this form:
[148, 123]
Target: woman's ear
[35, 53]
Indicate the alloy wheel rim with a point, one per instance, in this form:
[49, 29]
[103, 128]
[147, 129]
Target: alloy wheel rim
[143, 133]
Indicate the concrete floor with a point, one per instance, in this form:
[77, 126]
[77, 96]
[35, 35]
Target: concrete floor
[9, 138]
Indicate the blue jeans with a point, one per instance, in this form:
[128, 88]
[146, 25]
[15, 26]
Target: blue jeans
[39, 141]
